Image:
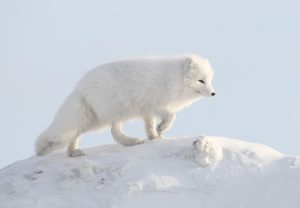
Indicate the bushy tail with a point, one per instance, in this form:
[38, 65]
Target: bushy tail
[73, 118]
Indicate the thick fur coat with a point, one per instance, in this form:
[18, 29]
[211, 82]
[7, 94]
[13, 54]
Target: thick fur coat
[144, 88]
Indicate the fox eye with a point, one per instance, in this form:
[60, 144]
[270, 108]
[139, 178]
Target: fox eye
[202, 81]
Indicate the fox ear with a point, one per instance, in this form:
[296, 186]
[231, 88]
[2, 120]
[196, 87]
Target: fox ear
[189, 64]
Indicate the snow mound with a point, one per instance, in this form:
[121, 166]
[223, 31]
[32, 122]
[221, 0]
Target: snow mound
[203, 171]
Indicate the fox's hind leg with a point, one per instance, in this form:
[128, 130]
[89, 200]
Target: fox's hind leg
[167, 119]
[121, 138]
[150, 126]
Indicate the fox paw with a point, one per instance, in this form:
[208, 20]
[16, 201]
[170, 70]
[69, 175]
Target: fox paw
[76, 153]
[153, 137]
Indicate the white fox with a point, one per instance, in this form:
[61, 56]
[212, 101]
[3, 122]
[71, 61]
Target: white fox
[145, 88]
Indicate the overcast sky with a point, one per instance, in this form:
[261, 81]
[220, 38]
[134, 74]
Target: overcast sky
[253, 46]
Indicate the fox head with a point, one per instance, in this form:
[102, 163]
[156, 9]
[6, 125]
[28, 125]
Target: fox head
[198, 76]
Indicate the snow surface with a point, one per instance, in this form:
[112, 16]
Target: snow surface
[188, 172]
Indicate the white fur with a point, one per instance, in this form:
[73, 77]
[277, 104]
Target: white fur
[113, 93]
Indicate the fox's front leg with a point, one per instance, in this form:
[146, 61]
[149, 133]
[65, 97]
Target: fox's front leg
[167, 119]
[73, 150]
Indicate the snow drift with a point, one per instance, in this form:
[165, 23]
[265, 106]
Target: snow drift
[189, 172]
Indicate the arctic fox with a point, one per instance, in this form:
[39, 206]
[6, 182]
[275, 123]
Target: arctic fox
[145, 88]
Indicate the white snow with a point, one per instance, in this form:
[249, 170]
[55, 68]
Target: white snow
[208, 172]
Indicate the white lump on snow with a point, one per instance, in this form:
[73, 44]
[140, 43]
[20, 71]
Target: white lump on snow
[205, 152]
[191, 172]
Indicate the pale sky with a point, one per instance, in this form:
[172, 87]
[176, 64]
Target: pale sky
[253, 46]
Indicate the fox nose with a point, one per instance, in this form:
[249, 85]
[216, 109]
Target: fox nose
[213, 94]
